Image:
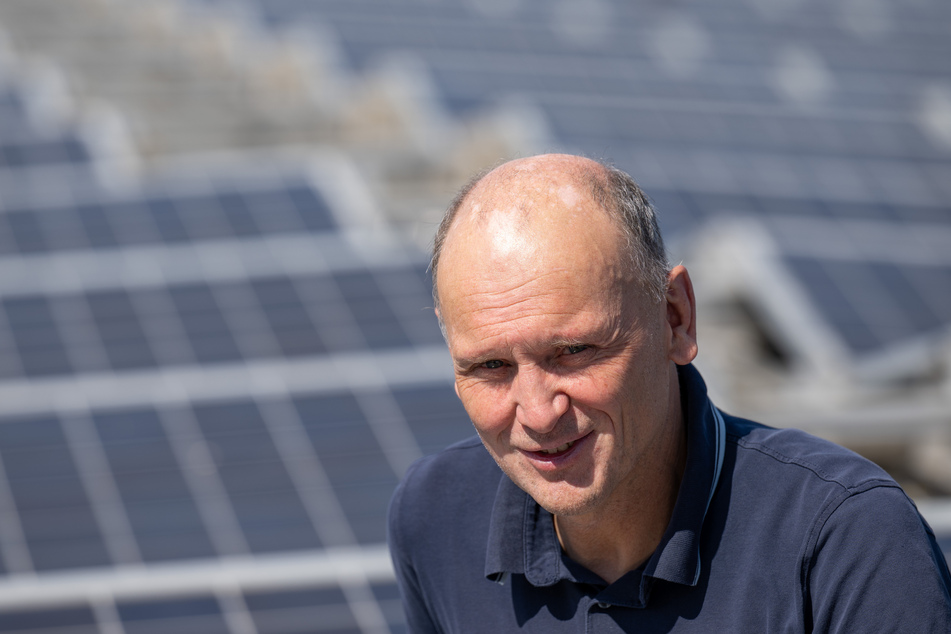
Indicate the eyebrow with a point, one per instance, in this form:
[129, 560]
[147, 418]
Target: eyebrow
[466, 363]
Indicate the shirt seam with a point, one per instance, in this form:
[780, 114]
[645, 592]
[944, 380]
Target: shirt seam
[808, 552]
[809, 466]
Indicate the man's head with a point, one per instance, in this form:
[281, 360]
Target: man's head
[564, 348]
[615, 192]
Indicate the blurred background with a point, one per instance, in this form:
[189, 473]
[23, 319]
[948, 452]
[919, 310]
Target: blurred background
[217, 352]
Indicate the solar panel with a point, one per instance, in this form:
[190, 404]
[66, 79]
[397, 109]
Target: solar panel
[874, 305]
[165, 218]
[209, 370]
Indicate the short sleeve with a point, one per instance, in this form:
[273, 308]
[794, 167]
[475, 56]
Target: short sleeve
[876, 567]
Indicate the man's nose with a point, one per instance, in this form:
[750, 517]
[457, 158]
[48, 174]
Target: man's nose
[539, 400]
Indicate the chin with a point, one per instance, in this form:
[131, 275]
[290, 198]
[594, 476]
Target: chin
[564, 499]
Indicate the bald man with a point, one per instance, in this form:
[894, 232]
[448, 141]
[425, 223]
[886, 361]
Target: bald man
[605, 492]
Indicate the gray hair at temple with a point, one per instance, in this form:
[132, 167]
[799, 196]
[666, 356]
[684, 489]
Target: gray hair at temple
[615, 192]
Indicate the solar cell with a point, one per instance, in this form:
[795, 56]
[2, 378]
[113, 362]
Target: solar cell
[189, 616]
[168, 217]
[54, 512]
[872, 305]
[166, 466]
[286, 611]
[70, 620]
[204, 323]
[161, 511]
[283, 612]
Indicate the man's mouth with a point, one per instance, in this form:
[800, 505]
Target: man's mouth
[557, 450]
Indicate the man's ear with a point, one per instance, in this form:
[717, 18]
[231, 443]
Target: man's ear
[681, 316]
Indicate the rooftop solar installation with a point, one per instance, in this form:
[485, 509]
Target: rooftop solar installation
[212, 386]
[162, 218]
[747, 108]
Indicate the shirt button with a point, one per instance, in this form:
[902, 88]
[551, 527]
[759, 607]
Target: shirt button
[603, 605]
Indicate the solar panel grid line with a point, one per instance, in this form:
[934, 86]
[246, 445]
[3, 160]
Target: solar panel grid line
[803, 141]
[66, 629]
[83, 192]
[666, 167]
[66, 232]
[197, 464]
[390, 428]
[224, 260]
[913, 182]
[864, 240]
[207, 213]
[364, 36]
[181, 384]
[245, 318]
[366, 610]
[100, 487]
[191, 211]
[235, 611]
[275, 215]
[10, 364]
[46, 185]
[200, 615]
[81, 341]
[107, 617]
[938, 176]
[326, 190]
[253, 575]
[59, 525]
[713, 107]
[835, 178]
[885, 320]
[321, 502]
[162, 328]
[327, 515]
[924, 282]
[25, 147]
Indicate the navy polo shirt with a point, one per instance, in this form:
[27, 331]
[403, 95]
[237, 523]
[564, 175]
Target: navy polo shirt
[773, 531]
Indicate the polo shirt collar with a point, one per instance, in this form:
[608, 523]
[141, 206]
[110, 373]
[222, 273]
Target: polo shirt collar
[522, 536]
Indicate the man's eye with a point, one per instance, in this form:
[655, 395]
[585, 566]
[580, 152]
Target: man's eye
[576, 349]
[494, 364]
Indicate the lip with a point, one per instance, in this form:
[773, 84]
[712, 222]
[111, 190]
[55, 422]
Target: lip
[550, 462]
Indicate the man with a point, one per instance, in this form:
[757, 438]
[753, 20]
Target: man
[607, 493]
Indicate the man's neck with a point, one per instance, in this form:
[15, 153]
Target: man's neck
[626, 532]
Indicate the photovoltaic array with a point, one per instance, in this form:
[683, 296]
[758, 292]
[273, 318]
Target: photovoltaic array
[761, 111]
[211, 388]
[211, 382]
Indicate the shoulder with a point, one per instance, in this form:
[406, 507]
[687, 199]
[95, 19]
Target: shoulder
[444, 488]
[797, 486]
[834, 523]
[806, 458]
[434, 478]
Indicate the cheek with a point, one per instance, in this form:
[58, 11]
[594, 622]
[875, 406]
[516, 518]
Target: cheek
[487, 407]
[601, 390]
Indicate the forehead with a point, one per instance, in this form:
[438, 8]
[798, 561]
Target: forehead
[525, 240]
[531, 201]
